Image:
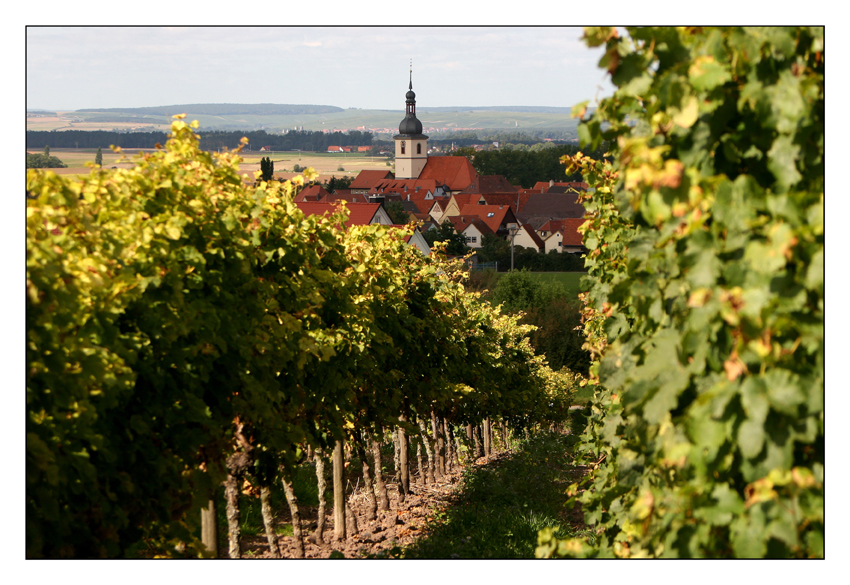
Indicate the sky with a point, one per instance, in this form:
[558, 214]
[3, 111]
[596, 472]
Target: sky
[69, 68]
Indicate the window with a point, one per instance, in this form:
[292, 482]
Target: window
[471, 239]
[491, 214]
[402, 147]
[418, 149]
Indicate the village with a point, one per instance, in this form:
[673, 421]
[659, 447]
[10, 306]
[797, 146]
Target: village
[437, 189]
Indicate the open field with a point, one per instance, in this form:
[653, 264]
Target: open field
[327, 165]
[349, 119]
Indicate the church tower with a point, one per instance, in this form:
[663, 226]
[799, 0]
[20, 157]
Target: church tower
[411, 146]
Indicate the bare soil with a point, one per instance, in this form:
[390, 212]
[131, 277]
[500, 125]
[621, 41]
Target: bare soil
[400, 526]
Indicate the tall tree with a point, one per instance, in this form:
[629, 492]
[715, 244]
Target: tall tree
[98, 158]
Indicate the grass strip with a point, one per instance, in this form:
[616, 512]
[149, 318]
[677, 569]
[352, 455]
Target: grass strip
[502, 505]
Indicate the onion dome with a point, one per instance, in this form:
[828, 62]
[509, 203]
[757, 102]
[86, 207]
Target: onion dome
[410, 125]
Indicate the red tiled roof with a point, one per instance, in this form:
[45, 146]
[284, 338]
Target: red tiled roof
[501, 214]
[358, 213]
[311, 193]
[490, 184]
[461, 222]
[367, 179]
[454, 171]
[568, 227]
[515, 200]
[346, 195]
[413, 190]
[552, 205]
[543, 186]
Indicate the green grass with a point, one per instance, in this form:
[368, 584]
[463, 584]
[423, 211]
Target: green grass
[502, 506]
[583, 395]
[571, 281]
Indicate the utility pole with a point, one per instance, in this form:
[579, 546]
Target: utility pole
[512, 228]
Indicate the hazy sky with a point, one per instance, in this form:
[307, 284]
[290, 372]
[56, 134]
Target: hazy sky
[363, 67]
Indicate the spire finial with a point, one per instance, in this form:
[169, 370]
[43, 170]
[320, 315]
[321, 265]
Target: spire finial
[411, 73]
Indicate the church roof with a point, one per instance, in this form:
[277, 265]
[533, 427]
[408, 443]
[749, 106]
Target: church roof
[410, 126]
[456, 172]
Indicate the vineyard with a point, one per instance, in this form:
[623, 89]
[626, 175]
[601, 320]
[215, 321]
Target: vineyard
[196, 346]
[186, 331]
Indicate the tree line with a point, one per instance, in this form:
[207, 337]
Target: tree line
[311, 141]
[526, 167]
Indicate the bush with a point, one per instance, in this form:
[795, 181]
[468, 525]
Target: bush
[549, 308]
[44, 161]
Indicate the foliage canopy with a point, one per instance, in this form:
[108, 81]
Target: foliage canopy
[705, 309]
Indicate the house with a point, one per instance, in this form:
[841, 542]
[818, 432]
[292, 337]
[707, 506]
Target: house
[422, 192]
[335, 149]
[457, 201]
[436, 212]
[359, 213]
[311, 193]
[347, 195]
[563, 235]
[528, 238]
[417, 240]
[497, 217]
[472, 227]
[542, 207]
[365, 180]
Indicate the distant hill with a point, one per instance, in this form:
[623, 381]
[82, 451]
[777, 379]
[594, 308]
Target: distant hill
[224, 110]
[542, 121]
[521, 109]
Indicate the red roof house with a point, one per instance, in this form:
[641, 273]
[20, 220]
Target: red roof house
[311, 193]
[358, 213]
[365, 180]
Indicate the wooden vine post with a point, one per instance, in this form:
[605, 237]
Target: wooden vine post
[404, 468]
[209, 529]
[339, 493]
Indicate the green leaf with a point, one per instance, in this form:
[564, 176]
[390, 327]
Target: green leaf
[751, 438]
[706, 73]
[688, 114]
[784, 390]
[748, 535]
[814, 273]
[782, 162]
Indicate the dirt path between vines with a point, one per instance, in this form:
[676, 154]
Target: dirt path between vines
[400, 526]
